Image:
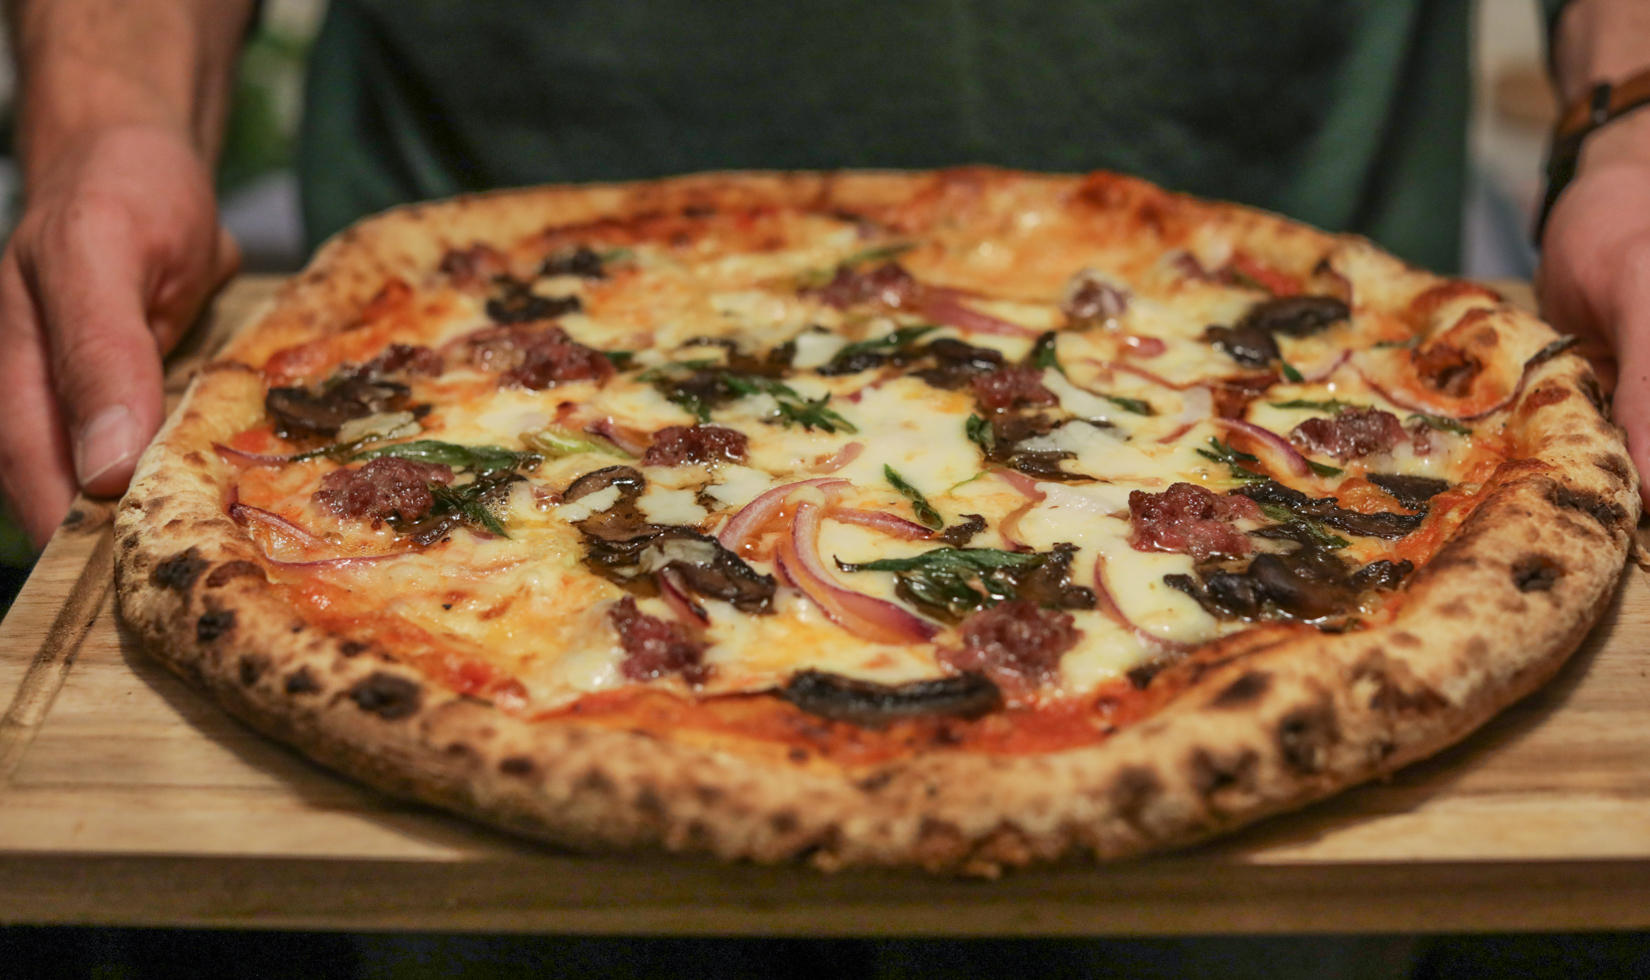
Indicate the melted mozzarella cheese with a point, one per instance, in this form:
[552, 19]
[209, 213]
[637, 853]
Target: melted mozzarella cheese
[529, 604]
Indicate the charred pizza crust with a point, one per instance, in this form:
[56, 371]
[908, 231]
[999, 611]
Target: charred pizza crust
[1268, 720]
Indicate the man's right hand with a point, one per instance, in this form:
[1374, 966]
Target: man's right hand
[117, 250]
[121, 107]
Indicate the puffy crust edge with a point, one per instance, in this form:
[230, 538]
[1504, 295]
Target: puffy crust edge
[1281, 719]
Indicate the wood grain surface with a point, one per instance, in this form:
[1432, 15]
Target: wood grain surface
[127, 798]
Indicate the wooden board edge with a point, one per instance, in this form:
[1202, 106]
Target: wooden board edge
[1139, 900]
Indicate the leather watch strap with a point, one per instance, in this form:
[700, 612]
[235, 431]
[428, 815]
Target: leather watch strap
[1603, 103]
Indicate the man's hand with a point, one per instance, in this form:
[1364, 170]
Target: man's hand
[121, 111]
[118, 249]
[1594, 279]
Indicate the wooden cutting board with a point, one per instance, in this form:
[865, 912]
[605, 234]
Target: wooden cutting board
[127, 798]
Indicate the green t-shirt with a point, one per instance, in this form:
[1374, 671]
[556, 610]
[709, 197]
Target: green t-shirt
[1349, 114]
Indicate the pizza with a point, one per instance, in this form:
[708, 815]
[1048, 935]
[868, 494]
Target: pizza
[960, 520]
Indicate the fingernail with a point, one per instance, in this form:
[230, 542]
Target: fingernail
[107, 441]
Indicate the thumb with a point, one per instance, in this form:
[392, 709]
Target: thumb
[105, 361]
[1632, 412]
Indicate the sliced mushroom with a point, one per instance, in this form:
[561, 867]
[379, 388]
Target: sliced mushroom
[872, 705]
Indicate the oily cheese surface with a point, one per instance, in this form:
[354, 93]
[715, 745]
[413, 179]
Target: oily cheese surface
[488, 671]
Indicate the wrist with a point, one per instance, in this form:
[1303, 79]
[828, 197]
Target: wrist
[92, 66]
[1624, 141]
[54, 126]
[1599, 41]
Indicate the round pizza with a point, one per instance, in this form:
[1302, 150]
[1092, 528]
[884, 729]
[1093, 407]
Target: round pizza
[961, 519]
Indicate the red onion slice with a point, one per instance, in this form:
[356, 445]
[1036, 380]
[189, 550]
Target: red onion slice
[758, 512]
[675, 593]
[343, 563]
[285, 536]
[1291, 456]
[619, 435]
[1148, 347]
[890, 524]
[250, 459]
[247, 516]
[942, 307]
[1327, 371]
[1196, 404]
[1152, 376]
[1108, 607]
[1009, 526]
[860, 614]
[842, 457]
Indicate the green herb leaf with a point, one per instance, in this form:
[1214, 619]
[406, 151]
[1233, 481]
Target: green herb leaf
[1443, 424]
[893, 340]
[926, 514]
[1220, 452]
[810, 413]
[1043, 353]
[981, 434]
[1313, 529]
[1289, 373]
[479, 459]
[1329, 405]
[957, 560]
[879, 253]
[1138, 406]
[675, 370]
[1388, 344]
[1324, 469]
[555, 442]
[953, 582]
[620, 359]
[467, 502]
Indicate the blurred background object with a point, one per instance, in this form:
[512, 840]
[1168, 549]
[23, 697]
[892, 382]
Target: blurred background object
[1513, 110]
[257, 188]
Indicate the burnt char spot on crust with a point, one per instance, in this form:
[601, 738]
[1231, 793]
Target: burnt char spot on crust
[301, 681]
[595, 781]
[386, 695]
[649, 805]
[1305, 735]
[1212, 774]
[1595, 394]
[352, 648]
[213, 624]
[1133, 791]
[1455, 609]
[179, 571]
[231, 570]
[516, 765]
[1244, 691]
[1396, 690]
[252, 667]
[1607, 512]
[1536, 573]
[1616, 467]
